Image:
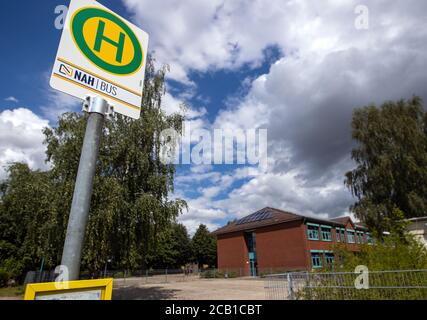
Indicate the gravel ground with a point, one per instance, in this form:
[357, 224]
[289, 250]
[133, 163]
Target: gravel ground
[191, 289]
[198, 289]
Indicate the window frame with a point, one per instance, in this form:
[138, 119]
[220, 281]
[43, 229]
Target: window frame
[351, 233]
[331, 257]
[340, 235]
[361, 237]
[369, 239]
[314, 254]
[310, 231]
[328, 231]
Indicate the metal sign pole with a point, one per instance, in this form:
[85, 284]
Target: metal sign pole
[97, 108]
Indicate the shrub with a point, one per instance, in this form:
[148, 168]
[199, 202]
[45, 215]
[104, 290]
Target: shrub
[392, 253]
[4, 278]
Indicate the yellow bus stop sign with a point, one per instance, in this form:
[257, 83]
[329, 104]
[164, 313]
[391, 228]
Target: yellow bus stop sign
[99, 289]
[100, 53]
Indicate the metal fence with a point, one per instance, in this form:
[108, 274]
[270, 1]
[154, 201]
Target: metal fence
[153, 276]
[376, 285]
[122, 277]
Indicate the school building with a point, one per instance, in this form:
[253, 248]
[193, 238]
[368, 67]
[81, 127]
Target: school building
[275, 239]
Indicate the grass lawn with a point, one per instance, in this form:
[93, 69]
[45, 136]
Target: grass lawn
[12, 291]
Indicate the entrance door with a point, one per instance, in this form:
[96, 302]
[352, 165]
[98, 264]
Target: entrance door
[251, 244]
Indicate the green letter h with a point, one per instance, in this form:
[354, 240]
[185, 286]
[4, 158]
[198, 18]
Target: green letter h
[100, 37]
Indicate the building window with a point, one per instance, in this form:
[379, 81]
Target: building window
[313, 232]
[316, 260]
[340, 235]
[350, 236]
[326, 233]
[369, 239]
[360, 234]
[329, 258]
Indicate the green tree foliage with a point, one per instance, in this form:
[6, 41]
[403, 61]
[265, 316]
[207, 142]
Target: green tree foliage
[25, 206]
[130, 206]
[394, 252]
[391, 157]
[172, 248]
[204, 247]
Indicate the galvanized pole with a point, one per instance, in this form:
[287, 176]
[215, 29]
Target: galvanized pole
[97, 108]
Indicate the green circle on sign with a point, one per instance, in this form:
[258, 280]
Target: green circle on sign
[77, 24]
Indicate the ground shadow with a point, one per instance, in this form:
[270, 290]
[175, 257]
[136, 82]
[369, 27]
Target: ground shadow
[143, 293]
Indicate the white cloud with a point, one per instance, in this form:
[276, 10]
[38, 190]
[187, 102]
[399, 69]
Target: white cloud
[11, 99]
[306, 99]
[21, 139]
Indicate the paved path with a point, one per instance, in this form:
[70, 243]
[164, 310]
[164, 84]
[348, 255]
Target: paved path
[204, 289]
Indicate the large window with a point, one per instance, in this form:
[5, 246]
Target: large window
[312, 231]
[350, 236]
[321, 257]
[326, 233]
[316, 260]
[329, 258]
[340, 234]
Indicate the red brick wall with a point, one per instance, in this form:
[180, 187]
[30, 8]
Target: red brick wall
[281, 246]
[232, 252]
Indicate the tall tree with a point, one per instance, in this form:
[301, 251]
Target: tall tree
[25, 210]
[130, 205]
[182, 245]
[391, 157]
[204, 247]
[172, 248]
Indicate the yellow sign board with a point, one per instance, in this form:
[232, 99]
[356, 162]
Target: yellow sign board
[99, 289]
[101, 54]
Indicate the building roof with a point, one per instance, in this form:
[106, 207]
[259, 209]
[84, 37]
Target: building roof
[342, 220]
[270, 216]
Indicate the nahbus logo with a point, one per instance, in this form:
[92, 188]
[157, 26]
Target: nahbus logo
[106, 41]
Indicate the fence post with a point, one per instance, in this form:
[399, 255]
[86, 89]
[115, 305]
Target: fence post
[146, 276]
[290, 287]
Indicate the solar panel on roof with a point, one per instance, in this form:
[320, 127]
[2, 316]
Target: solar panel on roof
[257, 216]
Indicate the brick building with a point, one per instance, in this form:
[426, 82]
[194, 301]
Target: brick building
[276, 239]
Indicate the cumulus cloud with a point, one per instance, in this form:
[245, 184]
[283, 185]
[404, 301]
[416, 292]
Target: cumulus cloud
[21, 139]
[306, 99]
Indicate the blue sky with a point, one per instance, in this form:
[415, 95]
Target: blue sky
[297, 69]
